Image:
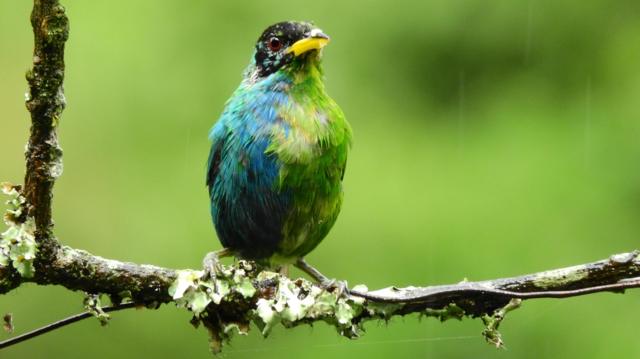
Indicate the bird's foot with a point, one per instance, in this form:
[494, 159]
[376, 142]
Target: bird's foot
[211, 263]
[339, 287]
[331, 285]
[284, 270]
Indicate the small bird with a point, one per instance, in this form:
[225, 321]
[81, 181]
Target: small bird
[278, 155]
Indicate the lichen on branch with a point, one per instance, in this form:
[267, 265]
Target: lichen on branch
[17, 243]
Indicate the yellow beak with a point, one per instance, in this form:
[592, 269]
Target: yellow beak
[315, 41]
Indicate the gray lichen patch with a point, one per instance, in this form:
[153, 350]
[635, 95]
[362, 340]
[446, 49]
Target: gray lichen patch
[625, 258]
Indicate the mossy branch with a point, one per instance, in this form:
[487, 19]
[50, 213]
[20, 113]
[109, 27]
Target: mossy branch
[29, 252]
[242, 295]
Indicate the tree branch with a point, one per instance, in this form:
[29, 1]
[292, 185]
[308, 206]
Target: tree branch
[241, 294]
[45, 102]
[279, 296]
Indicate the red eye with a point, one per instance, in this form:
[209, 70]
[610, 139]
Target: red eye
[274, 44]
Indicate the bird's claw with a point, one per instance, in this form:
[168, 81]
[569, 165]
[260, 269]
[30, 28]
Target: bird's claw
[211, 266]
[339, 287]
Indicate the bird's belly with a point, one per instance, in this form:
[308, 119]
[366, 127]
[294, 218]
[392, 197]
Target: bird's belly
[316, 202]
[247, 209]
[261, 220]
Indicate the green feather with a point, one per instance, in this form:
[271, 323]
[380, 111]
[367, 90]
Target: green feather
[314, 154]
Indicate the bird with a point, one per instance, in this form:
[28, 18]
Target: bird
[278, 155]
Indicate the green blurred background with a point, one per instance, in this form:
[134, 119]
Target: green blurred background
[492, 139]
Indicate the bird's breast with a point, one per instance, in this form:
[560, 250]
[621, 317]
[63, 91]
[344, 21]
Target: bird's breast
[279, 189]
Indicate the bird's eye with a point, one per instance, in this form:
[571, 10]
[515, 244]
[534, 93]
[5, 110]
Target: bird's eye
[274, 44]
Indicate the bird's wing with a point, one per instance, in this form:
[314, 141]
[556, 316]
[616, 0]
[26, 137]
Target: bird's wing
[217, 137]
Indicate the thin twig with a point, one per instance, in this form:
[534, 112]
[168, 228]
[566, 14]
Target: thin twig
[59, 324]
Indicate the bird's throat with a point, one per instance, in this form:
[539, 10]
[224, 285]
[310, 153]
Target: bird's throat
[305, 69]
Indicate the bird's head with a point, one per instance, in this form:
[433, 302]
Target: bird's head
[285, 43]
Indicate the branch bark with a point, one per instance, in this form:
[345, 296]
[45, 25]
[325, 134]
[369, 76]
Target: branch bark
[149, 285]
[45, 102]
[241, 294]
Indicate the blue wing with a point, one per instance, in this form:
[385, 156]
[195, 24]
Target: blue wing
[217, 138]
[247, 208]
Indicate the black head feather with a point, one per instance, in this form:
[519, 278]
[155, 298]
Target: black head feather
[272, 45]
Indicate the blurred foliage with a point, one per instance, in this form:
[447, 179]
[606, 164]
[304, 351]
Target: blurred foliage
[491, 139]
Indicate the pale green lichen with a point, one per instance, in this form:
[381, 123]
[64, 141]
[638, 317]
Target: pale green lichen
[299, 301]
[560, 277]
[239, 296]
[93, 305]
[293, 302]
[383, 310]
[451, 311]
[192, 291]
[198, 294]
[492, 322]
[17, 243]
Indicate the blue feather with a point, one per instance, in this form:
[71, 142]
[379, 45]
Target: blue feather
[247, 207]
